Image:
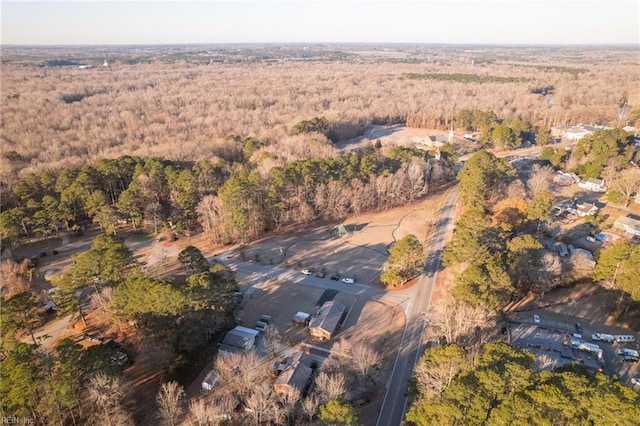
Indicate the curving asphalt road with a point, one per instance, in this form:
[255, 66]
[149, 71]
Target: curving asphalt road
[395, 400]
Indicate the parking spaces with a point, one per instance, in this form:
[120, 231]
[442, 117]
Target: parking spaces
[556, 343]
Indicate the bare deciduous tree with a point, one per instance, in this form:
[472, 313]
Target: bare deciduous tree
[310, 406]
[272, 339]
[432, 378]
[106, 395]
[455, 320]
[199, 413]
[330, 386]
[364, 358]
[548, 274]
[240, 372]
[15, 277]
[170, 399]
[516, 189]
[625, 184]
[222, 407]
[262, 404]
[544, 362]
[289, 399]
[539, 179]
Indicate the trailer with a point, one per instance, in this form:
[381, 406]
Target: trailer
[602, 337]
[209, 381]
[586, 347]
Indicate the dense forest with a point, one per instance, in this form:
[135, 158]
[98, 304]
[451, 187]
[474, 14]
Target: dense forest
[244, 142]
[181, 103]
[501, 386]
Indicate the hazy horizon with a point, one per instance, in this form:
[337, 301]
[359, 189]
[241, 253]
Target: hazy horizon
[471, 22]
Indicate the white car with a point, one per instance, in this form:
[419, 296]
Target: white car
[306, 272]
[536, 319]
[635, 380]
[591, 239]
[348, 280]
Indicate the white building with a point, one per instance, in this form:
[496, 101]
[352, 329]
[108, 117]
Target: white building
[628, 224]
[593, 184]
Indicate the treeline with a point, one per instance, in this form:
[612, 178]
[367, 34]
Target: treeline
[231, 200]
[247, 205]
[464, 78]
[510, 132]
[507, 133]
[128, 187]
[501, 386]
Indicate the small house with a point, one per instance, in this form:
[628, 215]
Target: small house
[627, 224]
[593, 184]
[583, 209]
[296, 375]
[324, 325]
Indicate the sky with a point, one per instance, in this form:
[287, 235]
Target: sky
[453, 21]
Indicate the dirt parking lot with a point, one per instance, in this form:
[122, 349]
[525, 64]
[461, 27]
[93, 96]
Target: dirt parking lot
[368, 320]
[359, 254]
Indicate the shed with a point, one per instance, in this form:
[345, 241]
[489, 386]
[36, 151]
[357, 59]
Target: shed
[209, 381]
[239, 339]
[330, 315]
[301, 318]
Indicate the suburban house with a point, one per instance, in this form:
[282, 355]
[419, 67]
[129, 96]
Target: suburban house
[593, 184]
[295, 376]
[628, 224]
[330, 315]
[565, 179]
[583, 209]
[240, 339]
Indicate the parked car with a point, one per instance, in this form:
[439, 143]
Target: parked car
[635, 380]
[591, 239]
[320, 274]
[307, 272]
[347, 280]
[578, 328]
[536, 319]
[335, 277]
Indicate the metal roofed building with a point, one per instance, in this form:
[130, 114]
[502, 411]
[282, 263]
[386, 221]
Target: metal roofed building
[628, 224]
[324, 325]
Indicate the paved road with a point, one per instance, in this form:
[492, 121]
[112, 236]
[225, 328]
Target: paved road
[395, 400]
[418, 298]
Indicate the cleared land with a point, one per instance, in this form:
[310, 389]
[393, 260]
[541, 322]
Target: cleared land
[358, 254]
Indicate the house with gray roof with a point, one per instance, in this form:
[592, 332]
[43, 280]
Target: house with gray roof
[324, 325]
